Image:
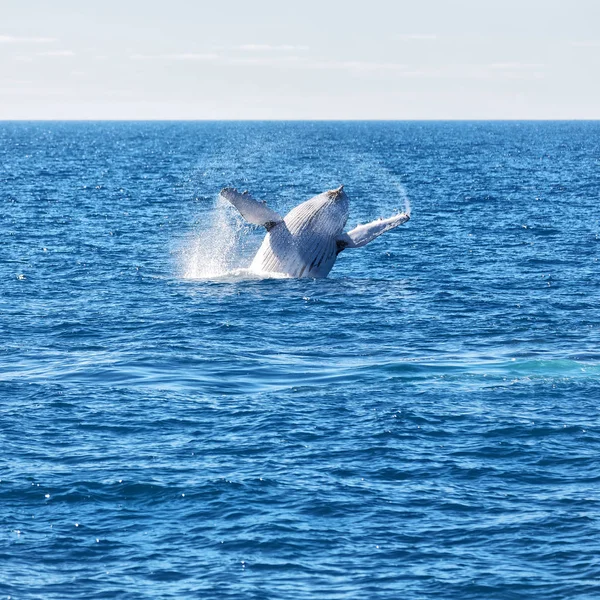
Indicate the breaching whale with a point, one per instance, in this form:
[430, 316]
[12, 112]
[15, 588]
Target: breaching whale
[307, 241]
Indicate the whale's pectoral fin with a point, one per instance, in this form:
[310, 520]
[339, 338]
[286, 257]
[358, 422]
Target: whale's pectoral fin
[254, 211]
[363, 234]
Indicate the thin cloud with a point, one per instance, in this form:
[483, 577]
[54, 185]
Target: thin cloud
[270, 48]
[495, 71]
[353, 66]
[33, 90]
[193, 56]
[506, 70]
[358, 65]
[418, 36]
[271, 61]
[56, 53]
[12, 82]
[587, 44]
[183, 56]
[465, 71]
[14, 39]
[286, 60]
[515, 66]
[37, 90]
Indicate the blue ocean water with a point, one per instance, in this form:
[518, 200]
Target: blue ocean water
[422, 424]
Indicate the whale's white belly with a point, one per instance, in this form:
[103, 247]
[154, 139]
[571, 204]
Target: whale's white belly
[295, 256]
[303, 244]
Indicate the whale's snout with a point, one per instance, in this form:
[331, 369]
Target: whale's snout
[337, 193]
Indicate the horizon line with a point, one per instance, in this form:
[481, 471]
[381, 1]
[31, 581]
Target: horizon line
[292, 120]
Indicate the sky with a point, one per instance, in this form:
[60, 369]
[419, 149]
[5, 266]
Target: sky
[260, 59]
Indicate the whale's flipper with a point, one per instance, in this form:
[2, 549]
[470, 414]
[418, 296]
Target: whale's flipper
[254, 211]
[363, 234]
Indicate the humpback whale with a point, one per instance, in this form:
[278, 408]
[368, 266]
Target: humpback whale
[307, 241]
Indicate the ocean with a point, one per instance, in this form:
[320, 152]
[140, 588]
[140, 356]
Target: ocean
[424, 423]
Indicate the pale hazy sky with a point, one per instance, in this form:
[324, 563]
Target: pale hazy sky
[261, 59]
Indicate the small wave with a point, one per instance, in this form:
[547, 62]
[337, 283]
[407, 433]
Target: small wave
[551, 367]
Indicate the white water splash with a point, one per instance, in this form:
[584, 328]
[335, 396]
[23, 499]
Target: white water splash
[374, 175]
[218, 249]
[386, 179]
[402, 191]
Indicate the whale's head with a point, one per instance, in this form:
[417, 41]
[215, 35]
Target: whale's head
[337, 195]
[331, 210]
[325, 214]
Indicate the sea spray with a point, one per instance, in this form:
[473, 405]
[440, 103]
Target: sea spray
[402, 191]
[383, 178]
[372, 180]
[219, 248]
